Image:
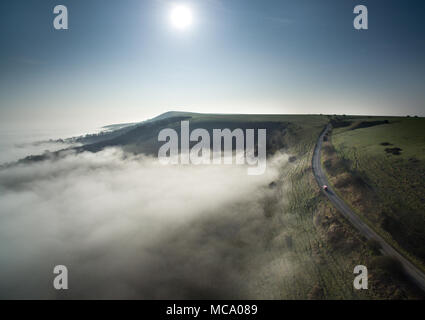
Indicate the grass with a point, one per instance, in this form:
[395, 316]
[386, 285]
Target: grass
[379, 170]
[321, 247]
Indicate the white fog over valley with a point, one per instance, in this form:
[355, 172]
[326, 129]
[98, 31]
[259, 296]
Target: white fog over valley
[127, 226]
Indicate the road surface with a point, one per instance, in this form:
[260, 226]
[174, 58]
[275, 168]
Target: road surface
[417, 276]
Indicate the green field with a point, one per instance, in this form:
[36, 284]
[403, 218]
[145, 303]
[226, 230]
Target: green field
[324, 245]
[380, 171]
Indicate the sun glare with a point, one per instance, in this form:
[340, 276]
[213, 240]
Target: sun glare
[181, 17]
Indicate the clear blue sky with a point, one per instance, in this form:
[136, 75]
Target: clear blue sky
[122, 61]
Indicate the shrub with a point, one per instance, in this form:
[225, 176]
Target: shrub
[292, 159]
[389, 265]
[328, 149]
[374, 246]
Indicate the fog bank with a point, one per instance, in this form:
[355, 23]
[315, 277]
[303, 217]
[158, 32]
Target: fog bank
[129, 227]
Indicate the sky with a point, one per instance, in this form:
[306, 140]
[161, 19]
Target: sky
[123, 61]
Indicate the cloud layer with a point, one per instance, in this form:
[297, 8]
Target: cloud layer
[129, 227]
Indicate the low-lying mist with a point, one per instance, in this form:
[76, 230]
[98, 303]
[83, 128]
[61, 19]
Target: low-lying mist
[128, 227]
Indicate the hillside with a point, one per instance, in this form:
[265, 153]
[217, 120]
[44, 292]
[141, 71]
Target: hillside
[378, 166]
[282, 131]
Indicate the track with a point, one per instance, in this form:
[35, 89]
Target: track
[417, 276]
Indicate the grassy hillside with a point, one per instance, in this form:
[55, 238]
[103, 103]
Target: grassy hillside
[378, 166]
[283, 131]
[323, 244]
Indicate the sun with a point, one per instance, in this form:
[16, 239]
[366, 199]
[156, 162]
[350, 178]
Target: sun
[181, 17]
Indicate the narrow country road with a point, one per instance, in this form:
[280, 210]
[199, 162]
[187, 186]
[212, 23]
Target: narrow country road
[414, 273]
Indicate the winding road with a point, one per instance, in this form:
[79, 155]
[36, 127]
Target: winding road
[417, 276]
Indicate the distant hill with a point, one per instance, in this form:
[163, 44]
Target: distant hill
[284, 132]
